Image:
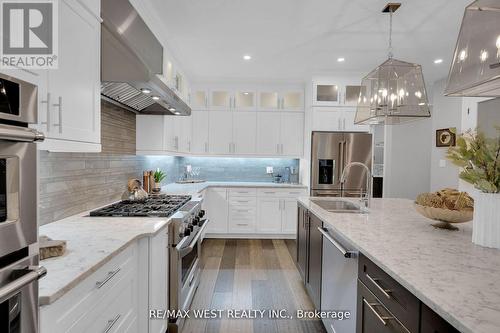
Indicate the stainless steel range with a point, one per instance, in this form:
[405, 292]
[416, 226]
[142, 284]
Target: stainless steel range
[185, 234]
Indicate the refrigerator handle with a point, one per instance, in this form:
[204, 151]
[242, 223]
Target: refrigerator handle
[340, 168]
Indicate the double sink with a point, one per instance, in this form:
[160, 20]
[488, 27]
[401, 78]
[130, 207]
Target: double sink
[340, 206]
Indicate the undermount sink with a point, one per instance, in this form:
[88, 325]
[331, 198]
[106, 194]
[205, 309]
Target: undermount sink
[340, 206]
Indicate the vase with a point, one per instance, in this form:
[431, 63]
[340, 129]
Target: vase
[157, 187]
[486, 221]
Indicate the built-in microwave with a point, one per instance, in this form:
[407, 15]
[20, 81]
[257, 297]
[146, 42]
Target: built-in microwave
[18, 100]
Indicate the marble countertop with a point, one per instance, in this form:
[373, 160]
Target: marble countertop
[91, 242]
[457, 279]
[195, 188]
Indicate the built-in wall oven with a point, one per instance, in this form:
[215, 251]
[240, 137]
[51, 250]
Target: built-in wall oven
[19, 270]
[185, 237]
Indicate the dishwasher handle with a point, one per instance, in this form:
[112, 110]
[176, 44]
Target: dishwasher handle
[345, 253]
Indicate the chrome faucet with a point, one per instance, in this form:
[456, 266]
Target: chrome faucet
[364, 198]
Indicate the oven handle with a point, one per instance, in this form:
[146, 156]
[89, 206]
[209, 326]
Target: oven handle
[14, 133]
[34, 273]
[185, 250]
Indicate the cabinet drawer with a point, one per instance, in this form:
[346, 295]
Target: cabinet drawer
[70, 308]
[403, 304]
[280, 192]
[242, 192]
[243, 201]
[373, 316]
[242, 225]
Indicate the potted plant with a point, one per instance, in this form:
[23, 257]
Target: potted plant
[158, 177]
[479, 159]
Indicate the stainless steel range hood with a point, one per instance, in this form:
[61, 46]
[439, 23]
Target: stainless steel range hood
[475, 70]
[131, 63]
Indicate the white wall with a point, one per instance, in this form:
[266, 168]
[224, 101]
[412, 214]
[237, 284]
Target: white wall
[446, 113]
[407, 159]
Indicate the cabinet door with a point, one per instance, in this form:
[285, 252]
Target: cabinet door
[302, 238]
[217, 210]
[220, 132]
[292, 100]
[184, 133]
[431, 322]
[292, 134]
[199, 141]
[245, 100]
[221, 100]
[244, 132]
[158, 278]
[351, 95]
[171, 130]
[313, 281]
[269, 100]
[325, 94]
[75, 86]
[289, 216]
[348, 122]
[149, 132]
[327, 119]
[199, 100]
[268, 133]
[269, 218]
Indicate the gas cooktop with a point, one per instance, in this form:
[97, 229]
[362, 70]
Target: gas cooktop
[159, 205]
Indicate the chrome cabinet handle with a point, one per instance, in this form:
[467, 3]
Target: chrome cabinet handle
[206, 147]
[343, 124]
[111, 274]
[241, 224]
[383, 319]
[111, 323]
[59, 105]
[32, 273]
[345, 253]
[47, 122]
[385, 292]
[189, 146]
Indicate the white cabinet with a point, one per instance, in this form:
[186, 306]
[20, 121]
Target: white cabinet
[245, 100]
[149, 133]
[289, 216]
[280, 133]
[199, 99]
[268, 133]
[171, 133]
[269, 220]
[158, 279]
[336, 119]
[244, 133]
[71, 103]
[281, 99]
[217, 210]
[199, 139]
[327, 93]
[185, 135]
[221, 99]
[220, 132]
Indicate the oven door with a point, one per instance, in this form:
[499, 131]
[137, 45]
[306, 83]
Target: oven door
[18, 224]
[19, 296]
[18, 100]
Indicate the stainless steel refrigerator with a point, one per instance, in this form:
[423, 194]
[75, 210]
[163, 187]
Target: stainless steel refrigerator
[331, 152]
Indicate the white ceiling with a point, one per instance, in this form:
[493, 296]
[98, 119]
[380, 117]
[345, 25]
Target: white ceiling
[294, 39]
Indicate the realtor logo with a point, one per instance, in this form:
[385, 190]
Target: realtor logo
[29, 34]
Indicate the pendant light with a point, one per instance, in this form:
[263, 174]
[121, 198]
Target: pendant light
[394, 92]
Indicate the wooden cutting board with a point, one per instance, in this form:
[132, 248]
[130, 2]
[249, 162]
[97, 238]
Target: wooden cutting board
[51, 248]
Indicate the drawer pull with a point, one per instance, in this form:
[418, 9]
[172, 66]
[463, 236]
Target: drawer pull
[243, 201]
[383, 319]
[270, 192]
[111, 323]
[111, 274]
[382, 290]
[242, 224]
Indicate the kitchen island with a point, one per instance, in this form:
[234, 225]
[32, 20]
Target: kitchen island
[442, 268]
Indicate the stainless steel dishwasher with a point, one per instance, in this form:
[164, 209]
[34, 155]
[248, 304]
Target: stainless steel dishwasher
[338, 281]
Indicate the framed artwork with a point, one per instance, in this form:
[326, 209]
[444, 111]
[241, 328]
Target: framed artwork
[446, 137]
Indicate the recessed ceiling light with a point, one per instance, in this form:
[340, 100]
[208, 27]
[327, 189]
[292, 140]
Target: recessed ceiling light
[146, 90]
[341, 59]
[247, 57]
[155, 98]
[438, 61]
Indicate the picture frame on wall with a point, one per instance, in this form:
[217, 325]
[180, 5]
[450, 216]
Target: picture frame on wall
[446, 137]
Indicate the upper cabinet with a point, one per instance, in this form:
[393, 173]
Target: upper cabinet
[335, 94]
[69, 96]
[284, 100]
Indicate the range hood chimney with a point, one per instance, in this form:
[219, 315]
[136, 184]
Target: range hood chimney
[475, 70]
[132, 62]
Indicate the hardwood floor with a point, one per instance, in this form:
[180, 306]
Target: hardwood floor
[250, 274]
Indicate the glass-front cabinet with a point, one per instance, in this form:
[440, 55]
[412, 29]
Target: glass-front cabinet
[335, 94]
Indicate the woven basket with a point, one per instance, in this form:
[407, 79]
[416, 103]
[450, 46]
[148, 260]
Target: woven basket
[445, 215]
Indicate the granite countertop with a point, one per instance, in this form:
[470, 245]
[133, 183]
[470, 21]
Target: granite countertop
[195, 188]
[457, 279]
[91, 242]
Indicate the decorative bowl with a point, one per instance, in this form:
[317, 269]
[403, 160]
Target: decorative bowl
[445, 216]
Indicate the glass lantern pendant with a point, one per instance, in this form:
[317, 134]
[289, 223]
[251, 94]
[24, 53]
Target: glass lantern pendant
[394, 92]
